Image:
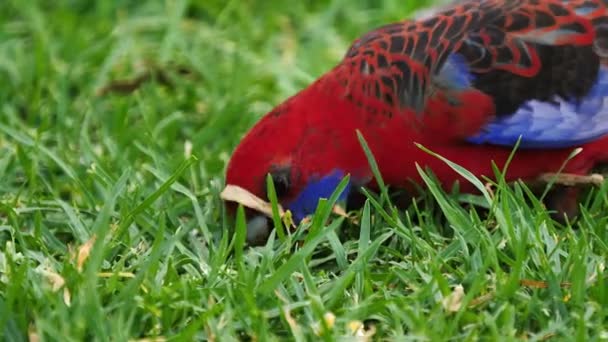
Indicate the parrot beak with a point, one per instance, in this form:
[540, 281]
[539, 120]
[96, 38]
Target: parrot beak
[258, 226]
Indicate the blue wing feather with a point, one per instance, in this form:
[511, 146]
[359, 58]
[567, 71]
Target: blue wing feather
[560, 123]
[323, 187]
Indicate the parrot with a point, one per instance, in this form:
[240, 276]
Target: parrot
[470, 82]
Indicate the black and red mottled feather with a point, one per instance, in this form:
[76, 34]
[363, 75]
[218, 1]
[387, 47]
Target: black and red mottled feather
[467, 82]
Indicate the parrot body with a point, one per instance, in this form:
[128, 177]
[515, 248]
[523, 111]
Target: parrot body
[467, 83]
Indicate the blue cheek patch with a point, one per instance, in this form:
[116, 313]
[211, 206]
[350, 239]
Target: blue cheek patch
[306, 202]
[561, 123]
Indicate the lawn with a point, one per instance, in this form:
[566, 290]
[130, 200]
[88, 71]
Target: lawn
[117, 119]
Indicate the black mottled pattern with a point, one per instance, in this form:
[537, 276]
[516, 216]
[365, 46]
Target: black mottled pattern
[567, 71]
[395, 64]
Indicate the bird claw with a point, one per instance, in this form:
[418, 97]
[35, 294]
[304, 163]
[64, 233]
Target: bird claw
[569, 179]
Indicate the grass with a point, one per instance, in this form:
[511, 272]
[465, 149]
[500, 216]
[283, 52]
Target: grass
[111, 227]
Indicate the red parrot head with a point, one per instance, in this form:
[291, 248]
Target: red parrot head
[306, 154]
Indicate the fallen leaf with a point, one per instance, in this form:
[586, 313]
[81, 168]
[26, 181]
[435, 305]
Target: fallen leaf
[481, 299]
[537, 284]
[453, 301]
[57, 282]
[534, 283]
[338, 210]
[234, 193]
[54, 279]
[119, 274]
[329, 319]
[83, 252]
[572, 179]
[357, 329]
[291, 321]
[67, 297]
[188, 149]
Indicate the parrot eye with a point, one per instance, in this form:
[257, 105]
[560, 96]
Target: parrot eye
[280, 178]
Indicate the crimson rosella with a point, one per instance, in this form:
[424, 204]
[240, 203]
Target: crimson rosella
[467, 82]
